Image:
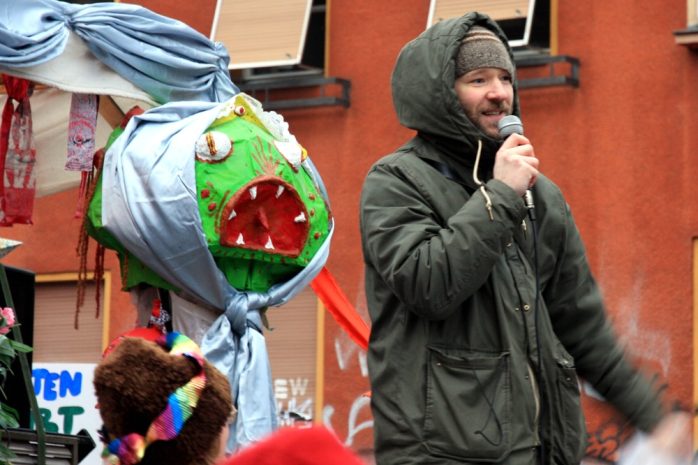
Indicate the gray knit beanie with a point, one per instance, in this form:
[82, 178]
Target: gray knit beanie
[481, 48]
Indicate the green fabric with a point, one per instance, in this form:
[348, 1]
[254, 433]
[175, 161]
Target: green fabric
[451, 296]
[133, 271]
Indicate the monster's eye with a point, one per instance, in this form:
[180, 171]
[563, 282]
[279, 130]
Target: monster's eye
[213, 147]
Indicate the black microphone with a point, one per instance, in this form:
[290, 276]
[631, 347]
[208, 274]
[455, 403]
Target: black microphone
[511, 124]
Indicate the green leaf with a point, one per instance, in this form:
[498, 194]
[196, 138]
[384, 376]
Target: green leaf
[11, 410]
[20, 347]
[6, 347]
[8, 417]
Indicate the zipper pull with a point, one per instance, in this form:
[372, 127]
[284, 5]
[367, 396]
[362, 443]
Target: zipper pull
[524, 228]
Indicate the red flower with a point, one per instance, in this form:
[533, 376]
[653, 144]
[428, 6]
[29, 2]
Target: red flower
[8, 320]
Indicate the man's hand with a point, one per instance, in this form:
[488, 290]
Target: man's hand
[516, 164]
[668, 444]
[673, 436]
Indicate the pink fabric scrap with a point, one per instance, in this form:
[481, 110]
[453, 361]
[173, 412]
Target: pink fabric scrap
[81, 132]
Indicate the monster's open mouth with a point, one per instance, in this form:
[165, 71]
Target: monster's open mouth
[268, 215]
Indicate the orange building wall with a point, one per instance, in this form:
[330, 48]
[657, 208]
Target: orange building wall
[622, 147]
[49, 246]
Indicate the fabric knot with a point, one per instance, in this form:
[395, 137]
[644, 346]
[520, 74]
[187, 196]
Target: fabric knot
[235, 312]
[254, 319]
[17, 88]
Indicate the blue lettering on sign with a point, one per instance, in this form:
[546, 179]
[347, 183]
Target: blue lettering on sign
[55, 384]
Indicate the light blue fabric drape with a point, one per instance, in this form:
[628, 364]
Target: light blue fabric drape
[150, 206]
[164, 57]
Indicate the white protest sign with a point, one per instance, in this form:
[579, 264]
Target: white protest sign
[66, 399]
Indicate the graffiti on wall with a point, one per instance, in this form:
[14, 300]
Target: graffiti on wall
[604, 443]
[346, 353]
[358, 408]
[644, 343]
[294, 401]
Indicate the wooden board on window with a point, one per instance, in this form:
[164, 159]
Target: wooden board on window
[259, 33]
[55, 337]
[292, 346]
[496, 9]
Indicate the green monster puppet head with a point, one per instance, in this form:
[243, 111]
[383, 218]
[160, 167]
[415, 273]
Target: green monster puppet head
[262, 213]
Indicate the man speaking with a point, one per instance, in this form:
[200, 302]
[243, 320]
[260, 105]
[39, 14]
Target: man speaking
[482, 315]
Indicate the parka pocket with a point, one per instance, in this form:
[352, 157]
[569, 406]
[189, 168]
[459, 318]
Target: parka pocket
[571, 437]
[468, 405]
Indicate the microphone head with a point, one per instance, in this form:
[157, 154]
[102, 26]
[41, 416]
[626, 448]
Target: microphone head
[510, 124]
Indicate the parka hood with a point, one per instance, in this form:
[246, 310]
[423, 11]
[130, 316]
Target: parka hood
[423, 84]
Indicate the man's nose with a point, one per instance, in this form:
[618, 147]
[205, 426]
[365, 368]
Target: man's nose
[496, 90]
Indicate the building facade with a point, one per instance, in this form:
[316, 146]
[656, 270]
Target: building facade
[620, 138]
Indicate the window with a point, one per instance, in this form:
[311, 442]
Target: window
[525, 22]
[531, 27]
[281, 45]
[295, 352]
[275, 33]
[55, 336]
[689, 35]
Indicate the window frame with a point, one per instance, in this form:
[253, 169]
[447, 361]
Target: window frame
[283, 320]
[522, 42]
[70, 279]
[265, 60]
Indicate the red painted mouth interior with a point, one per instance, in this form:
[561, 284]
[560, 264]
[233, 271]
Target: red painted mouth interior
[266, 215]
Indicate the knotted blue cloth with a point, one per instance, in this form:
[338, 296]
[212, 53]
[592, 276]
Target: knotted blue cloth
[150, 206]
[166, 58]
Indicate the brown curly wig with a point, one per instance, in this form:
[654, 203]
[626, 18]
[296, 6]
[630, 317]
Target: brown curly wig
[132, 384]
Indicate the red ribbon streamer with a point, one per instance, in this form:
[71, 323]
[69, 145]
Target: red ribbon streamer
[17, 154]
[336, 302]
[17, 90]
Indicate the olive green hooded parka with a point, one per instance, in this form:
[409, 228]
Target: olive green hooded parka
[466, 364]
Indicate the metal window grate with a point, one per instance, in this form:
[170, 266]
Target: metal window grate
[61, 449]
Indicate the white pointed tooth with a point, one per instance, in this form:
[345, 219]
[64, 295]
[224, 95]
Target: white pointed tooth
[280, 190]
[241, 240]
[232, 215]
[253, 192]
[300, 218]
[269, 245]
